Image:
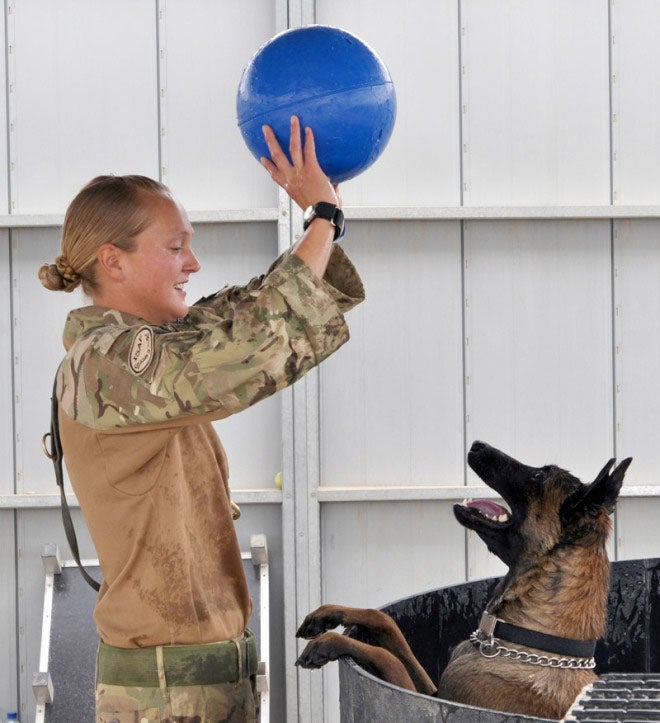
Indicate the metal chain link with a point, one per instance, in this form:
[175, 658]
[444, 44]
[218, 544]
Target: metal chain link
[491, 648]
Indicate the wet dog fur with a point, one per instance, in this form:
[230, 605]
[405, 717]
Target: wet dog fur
[552, 540]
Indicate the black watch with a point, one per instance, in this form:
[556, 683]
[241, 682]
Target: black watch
[329, 212]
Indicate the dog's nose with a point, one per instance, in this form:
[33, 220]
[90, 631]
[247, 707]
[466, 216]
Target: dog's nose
[478, 446]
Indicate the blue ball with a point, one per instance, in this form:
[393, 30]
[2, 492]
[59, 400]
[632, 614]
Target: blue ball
[330, 79]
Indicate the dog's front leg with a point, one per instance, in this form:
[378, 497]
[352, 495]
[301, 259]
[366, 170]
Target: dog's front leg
[381, 628]
[332, 646]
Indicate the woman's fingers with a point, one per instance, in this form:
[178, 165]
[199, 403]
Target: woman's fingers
[295, 143]
[301, 177]
[310, 147]
[278, 164]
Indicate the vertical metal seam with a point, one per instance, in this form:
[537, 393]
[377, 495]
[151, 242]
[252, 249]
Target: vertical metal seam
[313, 430]
[285, 18]
[309, 689]
[461, 169]
[465, 372]
[306, 440]
[13, 307]
[161, 99]
[289, 553]
[9, 106]
[613, 289]
[610, 85]
[615, 372]
[314, 557]
[313, 418]
[11, 186]
[301, 526]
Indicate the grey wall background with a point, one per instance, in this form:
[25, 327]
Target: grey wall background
[508, 240]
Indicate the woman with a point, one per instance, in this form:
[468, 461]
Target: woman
[143, 378]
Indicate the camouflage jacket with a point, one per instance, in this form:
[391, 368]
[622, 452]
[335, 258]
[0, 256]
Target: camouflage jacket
[231, 350]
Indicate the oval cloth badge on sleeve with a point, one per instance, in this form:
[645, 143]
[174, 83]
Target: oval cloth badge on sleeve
[142, 350]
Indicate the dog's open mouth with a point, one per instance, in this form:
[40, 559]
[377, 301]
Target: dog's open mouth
[487, 511]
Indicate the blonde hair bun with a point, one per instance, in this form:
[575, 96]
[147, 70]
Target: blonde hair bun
[59, 276]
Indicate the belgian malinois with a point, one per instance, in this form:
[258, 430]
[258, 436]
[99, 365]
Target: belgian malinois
[532, 652]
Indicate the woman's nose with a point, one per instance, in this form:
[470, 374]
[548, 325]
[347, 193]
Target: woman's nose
[192, 264]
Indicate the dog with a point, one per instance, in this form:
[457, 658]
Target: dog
[532, 652]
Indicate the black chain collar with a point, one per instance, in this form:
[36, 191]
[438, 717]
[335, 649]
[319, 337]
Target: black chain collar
[491, 630]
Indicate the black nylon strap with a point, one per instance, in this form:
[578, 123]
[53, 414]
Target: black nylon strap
[542, 641]
[56, 454]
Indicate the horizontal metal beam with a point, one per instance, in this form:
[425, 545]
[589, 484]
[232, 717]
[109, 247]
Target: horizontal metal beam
[240, 215]
[440, 493]
[39, 501]
[386, 213]
[490, 213]
[330, 494]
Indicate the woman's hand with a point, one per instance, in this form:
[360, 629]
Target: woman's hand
[303, 179]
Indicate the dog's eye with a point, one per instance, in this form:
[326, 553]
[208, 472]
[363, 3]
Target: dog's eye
[542, 473]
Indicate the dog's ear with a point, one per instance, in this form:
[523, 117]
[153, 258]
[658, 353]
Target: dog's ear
[602, 492]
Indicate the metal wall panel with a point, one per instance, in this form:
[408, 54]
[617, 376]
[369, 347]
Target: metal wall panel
[371, 555]
[535, 102]
[539, 340]
[421, 165]
[205, 46]
[39, 317]
[637, 310]
[635, 101]
[375, 553]
[85, 97]
[8, 614]
[7, 481]
[636, 530]
[392, 400]
[6, 61]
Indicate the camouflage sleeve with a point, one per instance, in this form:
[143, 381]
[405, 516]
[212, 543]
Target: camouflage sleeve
[232, 350]
[341, 279]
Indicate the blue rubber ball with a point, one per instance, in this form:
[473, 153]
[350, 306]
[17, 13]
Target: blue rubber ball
[334, 83]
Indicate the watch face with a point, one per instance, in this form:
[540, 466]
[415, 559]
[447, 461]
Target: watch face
[309, 213]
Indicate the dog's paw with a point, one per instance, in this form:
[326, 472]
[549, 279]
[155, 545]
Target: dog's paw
[324, 618]
[322, 650]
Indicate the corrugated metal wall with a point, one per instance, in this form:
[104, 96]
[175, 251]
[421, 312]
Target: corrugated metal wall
[508, 240]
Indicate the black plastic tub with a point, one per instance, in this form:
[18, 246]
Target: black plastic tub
[434, 622]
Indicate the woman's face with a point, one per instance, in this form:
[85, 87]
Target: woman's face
[159, 266]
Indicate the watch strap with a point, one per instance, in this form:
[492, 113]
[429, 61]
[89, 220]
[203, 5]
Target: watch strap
[329, 212]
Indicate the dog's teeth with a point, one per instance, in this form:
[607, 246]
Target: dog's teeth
[503, 518]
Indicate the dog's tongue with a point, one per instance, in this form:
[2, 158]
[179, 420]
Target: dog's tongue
[489, 508]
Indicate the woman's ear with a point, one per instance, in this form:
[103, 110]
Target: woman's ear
[110, 260]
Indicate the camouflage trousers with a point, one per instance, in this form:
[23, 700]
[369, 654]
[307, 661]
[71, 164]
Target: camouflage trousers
[177, 683]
